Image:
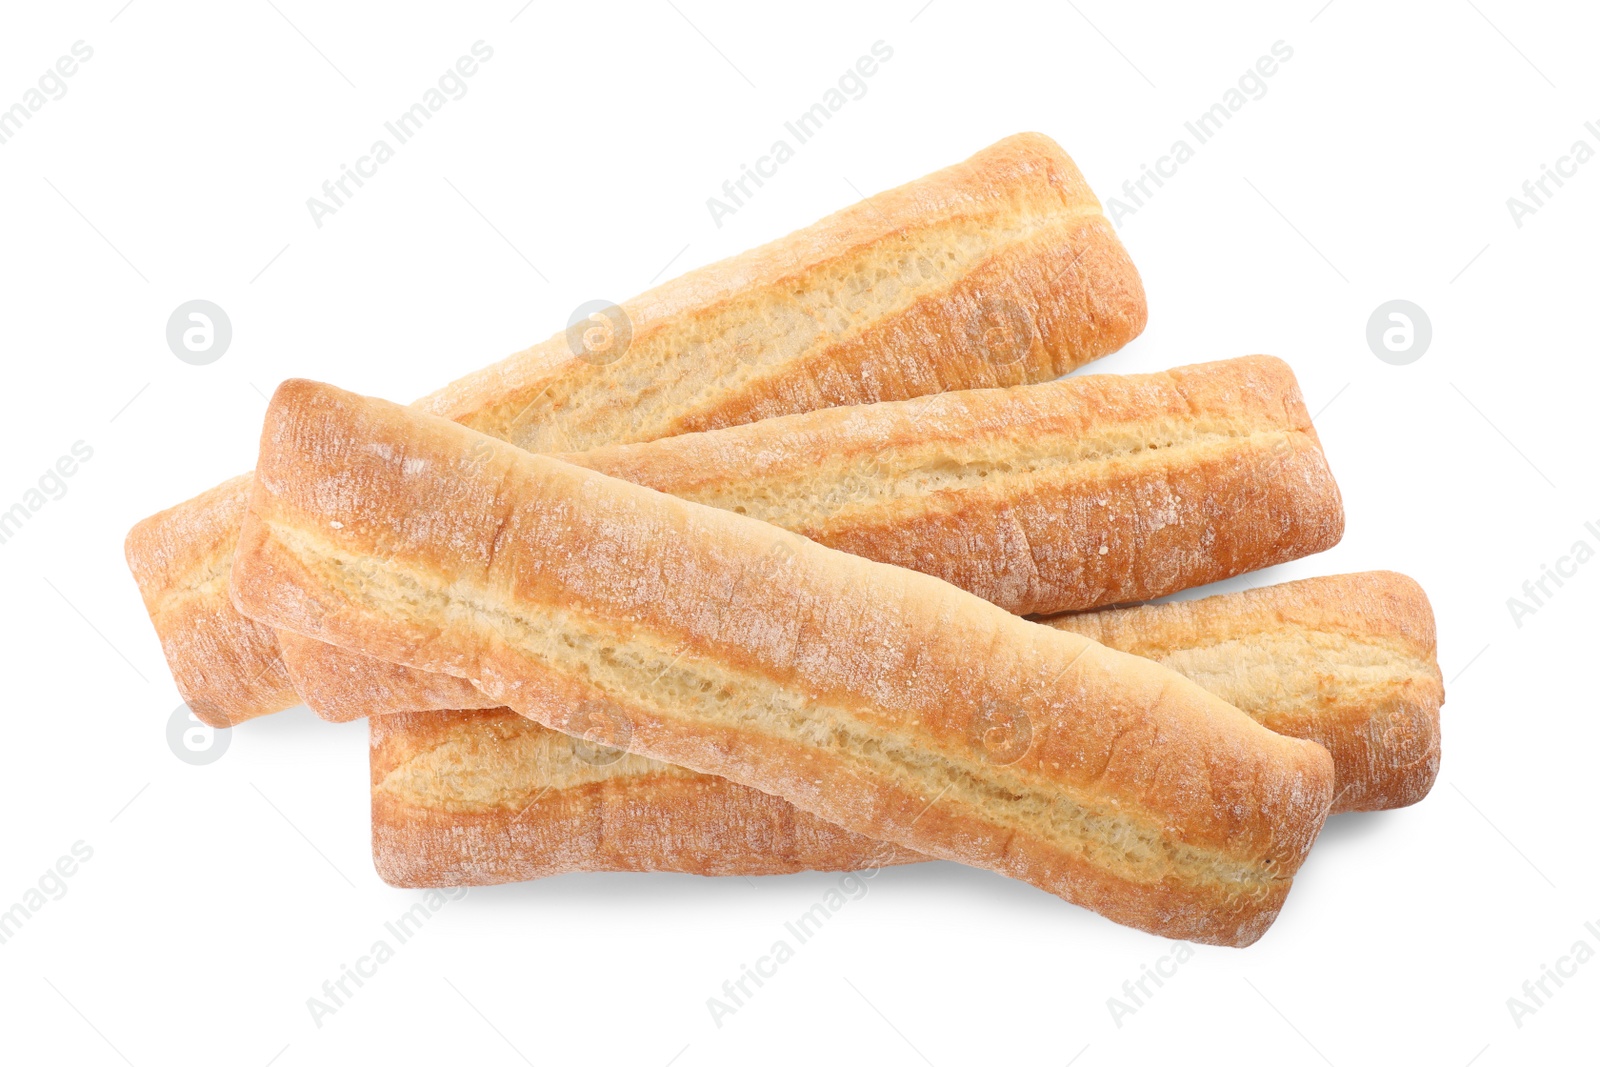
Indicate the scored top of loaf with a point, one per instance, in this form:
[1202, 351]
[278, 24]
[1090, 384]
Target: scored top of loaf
[1083, 418]
[1014, 233]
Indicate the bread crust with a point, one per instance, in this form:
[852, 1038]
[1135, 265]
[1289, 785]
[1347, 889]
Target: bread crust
[221, 661]
[880, 699]
[1348, 661]
[1067, 495]
[342, 684]
[1363, 683]
[999, 270]
[489, 796]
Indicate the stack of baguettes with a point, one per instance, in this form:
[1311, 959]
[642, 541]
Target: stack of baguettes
[740, 587]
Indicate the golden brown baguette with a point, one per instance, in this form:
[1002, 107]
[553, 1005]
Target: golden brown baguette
[1346, 661]
[474, 798]
[997, 271]
[874, 697]
[1094, 490]
[343, 684]
[222, 662]
[482, 797]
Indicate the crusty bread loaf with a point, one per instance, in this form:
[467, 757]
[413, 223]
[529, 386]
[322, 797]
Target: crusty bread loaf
[223, 662]
[877, 698]
[1346, 661]
[343, 684]
[482, 797]
[997, 271]
[1093, 490]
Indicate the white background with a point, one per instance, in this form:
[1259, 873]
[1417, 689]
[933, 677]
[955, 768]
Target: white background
[1377, 166]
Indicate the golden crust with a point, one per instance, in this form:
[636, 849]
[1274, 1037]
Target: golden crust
[220, 660]
[1361, 680]
[999, 270]
[996, 271]
[1044, 498]
[883, 700]
[341, 684]
[1346, 661]
[1061, 496]
[482, 797]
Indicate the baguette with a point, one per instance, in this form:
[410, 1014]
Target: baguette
[997, 271]
[1062, 496]
[879, 699]
[227, 667]
[483, 797]
[1346, 661]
